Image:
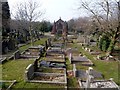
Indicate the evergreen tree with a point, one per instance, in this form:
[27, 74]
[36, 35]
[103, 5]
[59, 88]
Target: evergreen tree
[5, 19]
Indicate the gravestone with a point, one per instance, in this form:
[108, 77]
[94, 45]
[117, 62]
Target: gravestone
[11, 44]
[29, 72]
[36, 64]
[17, 54]
[49, 42]
[46, 46]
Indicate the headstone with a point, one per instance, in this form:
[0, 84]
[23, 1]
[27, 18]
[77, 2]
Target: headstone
[86, 49]
[11, 44]
[98, 57]
[89, 50]
[29, 72]
[46, 46]
[49, 42]
[17, 54]
[36, 64]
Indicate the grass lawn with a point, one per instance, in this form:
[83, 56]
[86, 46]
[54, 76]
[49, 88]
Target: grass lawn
[68, 65]
[14, 70]
[72, 82]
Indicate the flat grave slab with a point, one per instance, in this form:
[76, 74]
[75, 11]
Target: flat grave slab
[55, 48]
[55, 56]
[81, 59]
[60, 45]
[39, 48]
[18, 56]
[44, 63]
[28, 54]
[42, 77]
[54, 60]
[82, 74]
[74, 51]
[100, 84]
[53, 78]
[33, 51]
[54, 52]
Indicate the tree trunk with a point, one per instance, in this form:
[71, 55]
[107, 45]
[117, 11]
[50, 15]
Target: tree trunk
[30, 30]
[111, 46]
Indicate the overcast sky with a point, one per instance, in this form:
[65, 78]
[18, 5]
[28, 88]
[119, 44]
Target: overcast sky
[54, 9]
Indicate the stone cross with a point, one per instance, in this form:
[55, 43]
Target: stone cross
[89, 77]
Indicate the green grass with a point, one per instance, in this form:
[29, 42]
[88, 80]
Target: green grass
[41, 41]
[5, 85]
[72, 82]
[80, 66]
[15, 69]
[69, 66]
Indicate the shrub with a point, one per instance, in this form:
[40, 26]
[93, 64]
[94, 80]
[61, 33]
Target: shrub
[104, 43]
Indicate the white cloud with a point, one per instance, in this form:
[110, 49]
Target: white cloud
[54, 8]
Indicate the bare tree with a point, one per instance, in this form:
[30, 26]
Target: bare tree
[104, 14]
[28, 12]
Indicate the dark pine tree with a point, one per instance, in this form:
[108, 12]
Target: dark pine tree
[5, 19]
